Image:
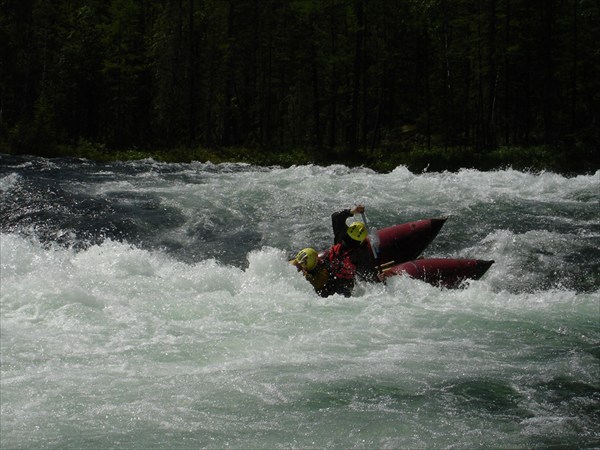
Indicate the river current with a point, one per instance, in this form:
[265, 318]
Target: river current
[151, 305]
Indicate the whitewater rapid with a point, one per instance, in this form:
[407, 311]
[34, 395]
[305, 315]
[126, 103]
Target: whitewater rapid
[148, 305]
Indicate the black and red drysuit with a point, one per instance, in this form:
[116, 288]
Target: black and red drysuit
[346, 259]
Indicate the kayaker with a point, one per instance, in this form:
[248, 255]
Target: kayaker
[353, 239]
[329, 274]
[335, 271]
[314, 270]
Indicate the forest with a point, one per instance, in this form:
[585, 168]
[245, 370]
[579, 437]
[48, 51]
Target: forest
[447, 83]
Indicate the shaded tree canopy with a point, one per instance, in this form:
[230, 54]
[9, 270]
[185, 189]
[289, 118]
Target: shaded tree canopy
[333, 76]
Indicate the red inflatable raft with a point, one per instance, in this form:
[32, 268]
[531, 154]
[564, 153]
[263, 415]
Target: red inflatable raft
[446, 272]
[398, 247]
[404, 242]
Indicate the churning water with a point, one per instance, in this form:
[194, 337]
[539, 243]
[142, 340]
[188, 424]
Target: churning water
[149, 305]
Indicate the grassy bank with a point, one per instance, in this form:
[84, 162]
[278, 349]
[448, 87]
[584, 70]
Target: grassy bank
[416, 159]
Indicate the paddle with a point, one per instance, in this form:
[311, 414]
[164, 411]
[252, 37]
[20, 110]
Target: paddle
[374, 241]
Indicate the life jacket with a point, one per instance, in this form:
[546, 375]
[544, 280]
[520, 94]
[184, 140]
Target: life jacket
[318, 277]
[339, 263]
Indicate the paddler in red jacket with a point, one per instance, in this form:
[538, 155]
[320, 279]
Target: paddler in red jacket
[335, 270]
[353, 241]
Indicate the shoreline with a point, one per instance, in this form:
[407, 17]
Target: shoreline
[417, 160]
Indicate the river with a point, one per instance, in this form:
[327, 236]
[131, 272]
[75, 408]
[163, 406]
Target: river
[151, 305]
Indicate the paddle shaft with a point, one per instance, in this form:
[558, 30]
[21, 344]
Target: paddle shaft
[375, 256]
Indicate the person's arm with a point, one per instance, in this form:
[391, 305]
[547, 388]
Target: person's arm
[338, 223]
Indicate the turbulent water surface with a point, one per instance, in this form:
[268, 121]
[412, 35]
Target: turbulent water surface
[148, 305]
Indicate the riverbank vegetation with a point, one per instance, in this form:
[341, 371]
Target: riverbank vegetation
[433, 85]
[416, 159]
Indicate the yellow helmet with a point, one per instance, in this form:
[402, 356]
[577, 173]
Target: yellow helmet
[357, 231]
[307, 258]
